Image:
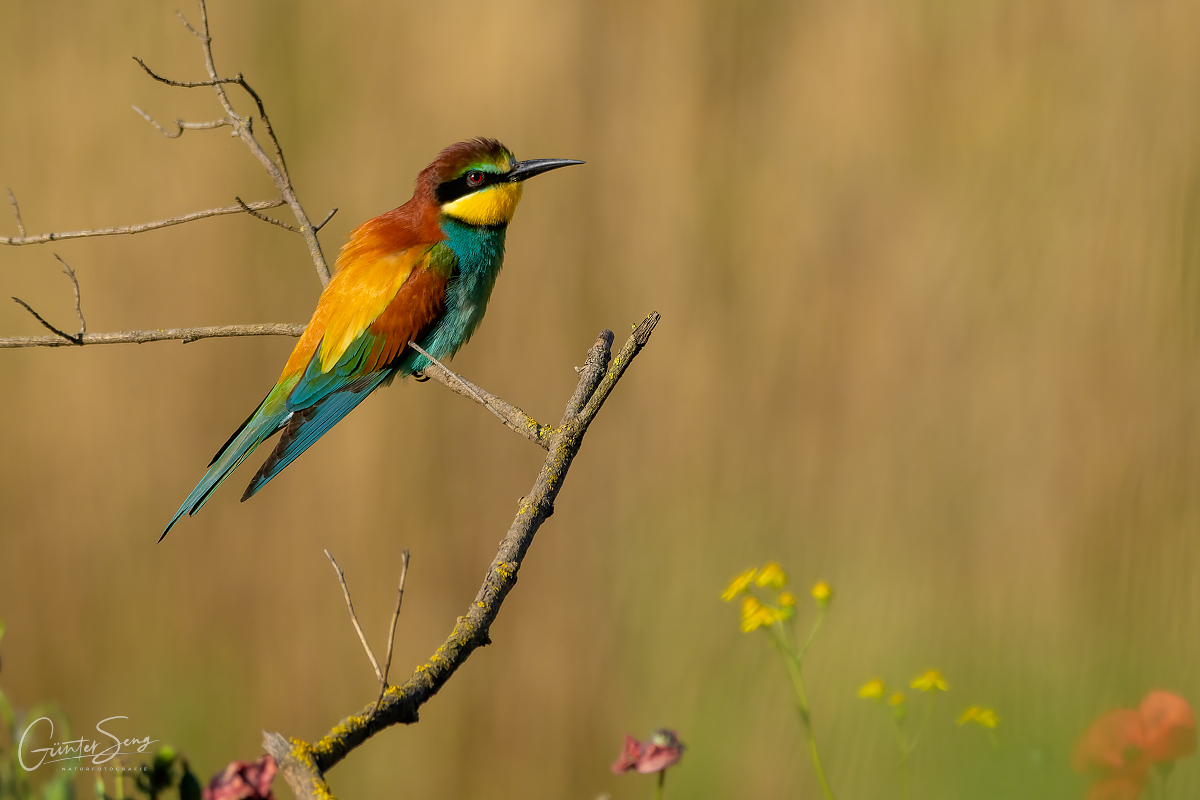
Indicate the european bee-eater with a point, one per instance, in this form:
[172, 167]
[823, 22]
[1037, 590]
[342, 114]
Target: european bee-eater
[422, 273]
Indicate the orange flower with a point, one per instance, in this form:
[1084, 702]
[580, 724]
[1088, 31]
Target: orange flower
[1170, 726]
[1122, 745]
[1113, 746]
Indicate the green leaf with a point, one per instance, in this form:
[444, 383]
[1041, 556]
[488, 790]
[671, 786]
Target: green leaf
[189, 785]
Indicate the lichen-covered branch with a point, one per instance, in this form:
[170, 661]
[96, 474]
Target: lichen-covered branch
[308, 763]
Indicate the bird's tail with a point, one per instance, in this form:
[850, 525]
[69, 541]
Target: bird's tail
[266, 420]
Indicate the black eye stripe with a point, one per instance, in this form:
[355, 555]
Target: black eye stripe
[459, 187]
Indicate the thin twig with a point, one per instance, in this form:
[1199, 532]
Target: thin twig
[184, 335]
[264, 217]
[387, 662]
[78, 301]
[12, 199]
[187, 24]
[70, 339]
[328, 217]
[42, 238]
[182, 126]
[215, 81]
[362, 637]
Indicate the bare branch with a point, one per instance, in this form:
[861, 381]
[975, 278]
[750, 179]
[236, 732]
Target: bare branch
[42, 238]
[513, 418]
[362, 637]
[471, 631]
[70, 273]
[53, 339]
[184, 335]
[12, 199]
[182, 126]
[328, 217]
[187, 84]
[387, 662]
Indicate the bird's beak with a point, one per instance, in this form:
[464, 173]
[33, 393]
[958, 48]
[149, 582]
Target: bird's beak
[524, 170]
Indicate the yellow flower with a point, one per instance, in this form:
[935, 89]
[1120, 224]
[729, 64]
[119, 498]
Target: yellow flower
[754, 615]
[982, 716]
[822, 593]
[871, 690]
[739, 585]
[772, 575]
[896, 700]
[787, 599]
[930, 681]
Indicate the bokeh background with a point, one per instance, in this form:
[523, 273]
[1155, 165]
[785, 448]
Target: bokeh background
[929, 276]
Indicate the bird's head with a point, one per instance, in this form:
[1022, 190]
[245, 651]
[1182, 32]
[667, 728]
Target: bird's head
[479, 182]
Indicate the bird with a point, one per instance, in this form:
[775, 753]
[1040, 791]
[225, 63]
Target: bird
[422, 272]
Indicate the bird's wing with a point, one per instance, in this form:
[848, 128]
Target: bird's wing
[362, 341]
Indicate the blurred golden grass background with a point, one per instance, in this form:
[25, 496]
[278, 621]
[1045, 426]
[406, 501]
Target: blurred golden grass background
[930, 279]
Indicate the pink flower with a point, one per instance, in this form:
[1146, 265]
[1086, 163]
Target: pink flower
[663, 750]
[243, 780]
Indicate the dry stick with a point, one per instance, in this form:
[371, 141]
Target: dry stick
[184, 126]
[185, 335]
[513, 418]
[69, 338]
[362, 637]
[264, 217]
[304, 765]
[12, 199]
[328, 217]
[42, 238]
[387, 662]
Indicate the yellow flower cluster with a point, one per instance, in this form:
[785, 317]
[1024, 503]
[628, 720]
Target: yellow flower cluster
[981, 716]
[755, 613]
[929, 681]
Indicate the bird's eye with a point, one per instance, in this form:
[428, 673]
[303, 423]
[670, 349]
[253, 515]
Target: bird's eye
[474, 177]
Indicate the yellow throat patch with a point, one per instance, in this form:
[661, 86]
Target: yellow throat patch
[494, 205]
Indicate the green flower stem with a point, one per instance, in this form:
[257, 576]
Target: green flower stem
[658, 788]
[924, 721]
[792, 659]
[905, 751]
